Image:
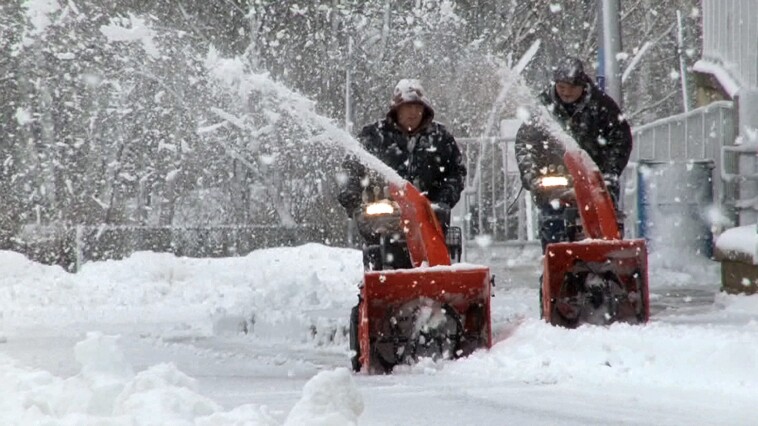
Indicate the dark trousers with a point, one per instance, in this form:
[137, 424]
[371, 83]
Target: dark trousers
[552, 225]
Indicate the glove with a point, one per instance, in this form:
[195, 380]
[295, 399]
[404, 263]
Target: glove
[353, 211]
[611, 181]
[442, 211]
[531, 182]
[442, 207]
[612, 185]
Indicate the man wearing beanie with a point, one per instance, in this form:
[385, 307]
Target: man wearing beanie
[587, 114]
[420, 149]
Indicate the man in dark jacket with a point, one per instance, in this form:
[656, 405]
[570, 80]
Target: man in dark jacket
[587, 114]
[418, 148]
[422, 152]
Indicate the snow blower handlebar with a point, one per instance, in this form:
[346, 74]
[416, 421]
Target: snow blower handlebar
[423, 233]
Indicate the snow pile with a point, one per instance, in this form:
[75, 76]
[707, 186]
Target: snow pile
[653, 355]
[270, 291]
[329, 399]
[742, 239]
[107, 391]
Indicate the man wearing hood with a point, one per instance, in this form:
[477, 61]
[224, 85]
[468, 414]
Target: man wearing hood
[418, 148]
[422, 152]
[587, 114]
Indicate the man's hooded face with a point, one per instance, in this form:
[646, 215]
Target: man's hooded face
[567, 92]
[410, 108]
[410, 115]
[570, 79]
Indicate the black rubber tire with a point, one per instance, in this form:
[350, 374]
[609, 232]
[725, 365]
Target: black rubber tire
[542, 313]
[355, 346]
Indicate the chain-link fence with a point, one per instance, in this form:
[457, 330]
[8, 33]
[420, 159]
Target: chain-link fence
[72, 246]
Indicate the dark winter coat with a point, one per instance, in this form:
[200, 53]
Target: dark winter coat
[429, 158]
[594, 121]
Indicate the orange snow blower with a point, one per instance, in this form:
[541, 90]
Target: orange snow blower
[598, 279]
[425, 308]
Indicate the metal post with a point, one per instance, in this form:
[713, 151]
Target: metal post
[505, 190]
[600, 79]
[493, 191]
[529, 207]
[682, 62]
[478, 183]
[611, 48]
[348, 83]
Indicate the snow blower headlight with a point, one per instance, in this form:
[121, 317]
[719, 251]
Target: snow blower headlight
[380, 208]
[554, 181]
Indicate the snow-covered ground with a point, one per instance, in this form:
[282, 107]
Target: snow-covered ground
[155, 339]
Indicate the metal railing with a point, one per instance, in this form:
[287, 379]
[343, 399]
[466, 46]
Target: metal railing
[730, 37]
[493, 203]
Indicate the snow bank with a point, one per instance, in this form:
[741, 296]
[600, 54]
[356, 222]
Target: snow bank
[706, 358]
[329, 399]
[269, 292]
[108, 392]
[288, 290]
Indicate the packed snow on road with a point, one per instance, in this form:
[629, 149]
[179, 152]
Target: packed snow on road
[261, 339]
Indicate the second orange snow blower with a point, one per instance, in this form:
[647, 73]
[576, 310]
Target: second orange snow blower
[596, 277]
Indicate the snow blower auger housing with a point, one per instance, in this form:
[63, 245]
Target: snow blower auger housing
[601, 279]
[432, 309]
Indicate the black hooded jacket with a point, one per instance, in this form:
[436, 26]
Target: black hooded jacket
[594, 121]
[429, 158]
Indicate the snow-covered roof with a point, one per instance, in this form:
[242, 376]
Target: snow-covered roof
[729, 83]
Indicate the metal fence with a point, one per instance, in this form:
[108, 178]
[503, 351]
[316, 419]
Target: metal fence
[730, 36]
[72, 246]
[493, 203]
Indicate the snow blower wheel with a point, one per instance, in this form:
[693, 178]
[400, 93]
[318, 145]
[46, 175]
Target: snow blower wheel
[419, 329]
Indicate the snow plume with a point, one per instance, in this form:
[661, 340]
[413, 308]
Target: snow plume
[235, 77]
[39, 15]
[131, 29]
[514, 88]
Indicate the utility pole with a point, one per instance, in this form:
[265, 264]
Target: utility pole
[611, 46]
[348, 83]
[600, 76]
[682, 61]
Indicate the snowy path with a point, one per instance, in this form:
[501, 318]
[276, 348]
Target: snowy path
[695, 363]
